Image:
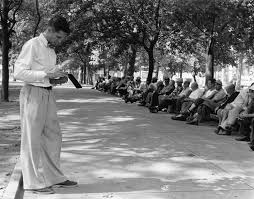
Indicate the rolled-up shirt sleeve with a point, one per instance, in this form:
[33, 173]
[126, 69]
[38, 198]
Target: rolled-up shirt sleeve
[23, 66]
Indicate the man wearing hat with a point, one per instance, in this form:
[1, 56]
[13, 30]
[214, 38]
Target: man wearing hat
[166, 101]
[208, 106]
[159, 94]
[220, 110]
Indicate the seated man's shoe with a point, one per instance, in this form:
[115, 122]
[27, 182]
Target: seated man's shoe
[141, 104]
[251, 145]
[66, 184]
[193, 122]
[46, 190]
[164, 110]
[225, 132]
[217, 131]
[153, 109]
[179, 117]
[244, 138]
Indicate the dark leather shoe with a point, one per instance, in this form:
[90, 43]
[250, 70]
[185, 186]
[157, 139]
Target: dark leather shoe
[224, 132]
[245, 139]
[141, 104]
[153, 110]
[193, 122]
[217, 131]
[178, 117]
[251, 145]
[66, 184]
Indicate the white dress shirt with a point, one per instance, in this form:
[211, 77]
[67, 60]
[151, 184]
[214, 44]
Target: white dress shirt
[210, 93]
[34, 61]
[196, 94]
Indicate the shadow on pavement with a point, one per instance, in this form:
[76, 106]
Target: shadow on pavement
[110, 146]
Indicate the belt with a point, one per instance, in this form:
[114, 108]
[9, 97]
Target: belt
[47, 88]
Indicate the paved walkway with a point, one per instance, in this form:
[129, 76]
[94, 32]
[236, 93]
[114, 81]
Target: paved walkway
[120, 151]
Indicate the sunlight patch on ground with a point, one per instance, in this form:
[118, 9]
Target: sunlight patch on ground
[118, 118]
[115, 173]
[187, 160]
[96, 100]
[7, 121]
[66, 111]
[160, 167]
[143, 125]
[99, 128]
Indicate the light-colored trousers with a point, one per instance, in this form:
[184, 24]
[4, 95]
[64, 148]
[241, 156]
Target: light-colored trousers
[41, 138]
[228, 117]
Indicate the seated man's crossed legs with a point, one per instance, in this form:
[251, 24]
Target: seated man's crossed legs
[229, 120]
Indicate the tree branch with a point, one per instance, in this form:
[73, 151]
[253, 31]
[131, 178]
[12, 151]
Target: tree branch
[14, 16]
[39, 17]
[157, 14]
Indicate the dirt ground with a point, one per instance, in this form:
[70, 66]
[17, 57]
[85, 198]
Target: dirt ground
[9, 136]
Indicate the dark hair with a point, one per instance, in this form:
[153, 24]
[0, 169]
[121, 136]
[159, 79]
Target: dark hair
[154, 79]
[187, 82]
[212, 80]
[59, 23]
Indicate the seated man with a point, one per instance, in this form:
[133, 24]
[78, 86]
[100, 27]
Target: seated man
[121, 88]
[139, 90]
[114, 84]
[232, 111]
[133, 90]
[166, 90]
[246, 120]
[188, 101]
[231, 95]
[167, 100]
[152, 100]
[208, 106]
[151, 88]
[177, 101]
[156, 88]
[208, 94]
[130, 90]
[107, 85]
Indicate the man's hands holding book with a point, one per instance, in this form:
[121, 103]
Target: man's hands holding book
[57, 77]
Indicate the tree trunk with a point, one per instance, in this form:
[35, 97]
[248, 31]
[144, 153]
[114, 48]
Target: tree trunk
[239, 72]
[210, 60]
[181, 71]
[157, 71]
[81, 74]
[125, 70]
[132, 60]
[5, 53]
[104, 70]
[87, 75]
[151, 65]
[194, 78]
[39, 17]
[84, 74]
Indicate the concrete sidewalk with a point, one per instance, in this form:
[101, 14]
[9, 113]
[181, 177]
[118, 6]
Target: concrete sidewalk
[121, 151]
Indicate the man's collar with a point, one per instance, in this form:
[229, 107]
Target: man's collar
[43, 39]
